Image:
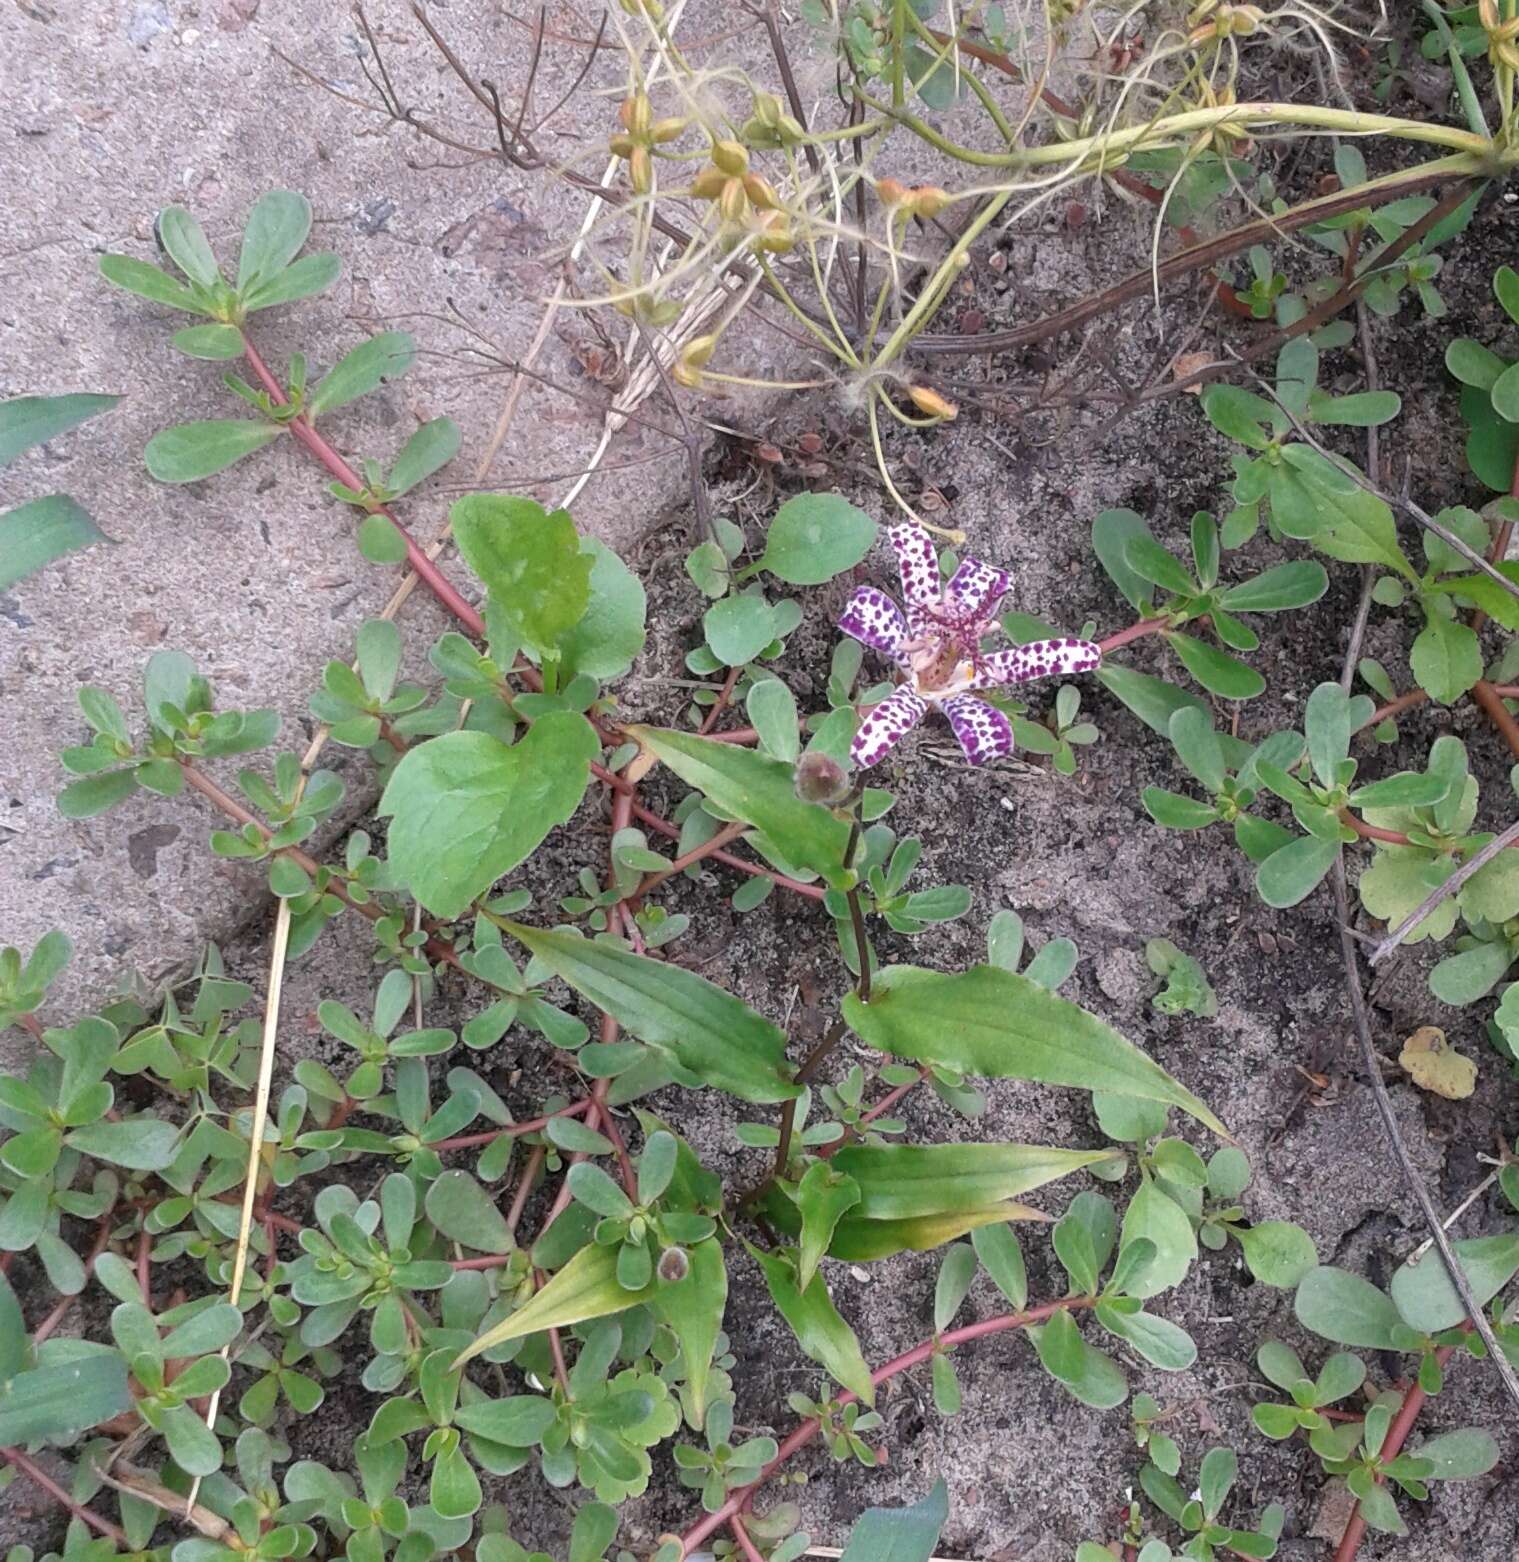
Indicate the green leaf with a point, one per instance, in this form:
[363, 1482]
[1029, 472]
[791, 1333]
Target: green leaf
[1002, 1258]
[41, 532]
[1151, 562]
[1175, 812]
[1276, 590]
[1463, 978]
[466, 808]
[1278, 1253]
[215, 342]
[384, 357]
[1363, 409]
[150, 282]
[738, 628]
[1327, 723]
[93, 795]
[277, 228]
[692, 1309]
[1157, 1217]
[1198, 748]
[64, 1401]
[756, 789]
[1089, 1375]
[1216, 1478]
[605, 640]
[1446, 659]
[998, 1024]
[1472, 363]
[1216, 670]
[823, 1196]
[591, 1533]
[532, 562]
[1295, 870]
[185, 242]
[380, 540]
[955, 1275]
[138, 1143]
[1364, 532]
[905, 1181]
[519, 1421]
[1342, 1307]
[464, 1212]
[584, 1289]
[1424, 1296]
[33, 420]
[899, 1534]
[815, 537]
[433, 446]
[1153, 700]
[1112, 532]
[772, 713]
[190, 451]
[1240, 415]
[820, 1331]
[1486, 593]
[1162, 1343]
[704, 1030]
[1459, 1456]
[1504, 392]
[311, 274]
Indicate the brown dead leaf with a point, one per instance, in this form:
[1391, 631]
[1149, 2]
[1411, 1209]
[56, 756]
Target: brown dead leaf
[1434, 1065]
[1190, 363]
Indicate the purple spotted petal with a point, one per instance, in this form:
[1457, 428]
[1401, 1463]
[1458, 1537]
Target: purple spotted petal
[886, 726]
[1037, 659]
[984, 732]
[875, 620]
[918, 563]
[975, 589]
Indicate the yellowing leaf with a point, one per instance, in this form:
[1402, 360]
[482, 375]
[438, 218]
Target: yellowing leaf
[1434, 1065]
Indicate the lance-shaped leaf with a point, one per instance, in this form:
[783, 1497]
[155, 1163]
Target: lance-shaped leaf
[63, 1400]
[823, 1197]
[585, 1288]
[711, 1036]
[899, 1534]
[905, 1181]
[857, 1240]
[41, 532]
[759, 790]
[31, 420]
[692, 1309]
[369, 365]
[1422, 1291]
[815, 1321]
[1000, 1025]
[191, 451]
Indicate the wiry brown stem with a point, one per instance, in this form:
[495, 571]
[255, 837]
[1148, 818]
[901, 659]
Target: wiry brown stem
[39, 1477]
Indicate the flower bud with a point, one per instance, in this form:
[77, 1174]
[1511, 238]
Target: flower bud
[761, 193]
[641, 171]
[674, 1265]
[731, 204]
[700, 349]
[730, 157]
[622, 144]
[774, 233]
[932, 403]
[929, 200]
[767, 109]
[635, 115]
[709, 183]
[684, 375]
[820, 779]
[664, 130]
[789, 130]
[891, 192]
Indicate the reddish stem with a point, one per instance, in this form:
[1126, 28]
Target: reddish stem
[19, 1461]
[1397, 1435]
[803, 1434]
[664, 827]
[535, 1125]
[752, 1553]
[729, 832]
[144, 1254]
[494, 1261]
[720, 704]
[1145, 626]
[54, 1318]
[426, 571]
[525, 1187]
[31, 1025]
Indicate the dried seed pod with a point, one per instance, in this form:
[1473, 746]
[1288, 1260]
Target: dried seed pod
[732, 204]
[929, 402]
[730, 157]
[761, 193]
[891, 192]
[709, 183]
[641, 170]
[667, 129]
[820, 779]
[636, 115]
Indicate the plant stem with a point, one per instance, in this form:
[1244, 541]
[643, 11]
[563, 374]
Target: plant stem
[664, 827]
[305, 431]
[38, 1477]
[729, 832]
[1146, 626]
[1397, 1435]
[536, 1125]
[803, 1434]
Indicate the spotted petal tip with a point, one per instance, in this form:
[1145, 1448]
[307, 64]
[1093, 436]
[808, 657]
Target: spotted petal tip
[982, 730]
[875, 620]
[1038, 659]
[917, 561]
[975, 589]
[886, 725]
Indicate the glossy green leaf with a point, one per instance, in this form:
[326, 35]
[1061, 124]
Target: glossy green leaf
[1112, 532]
[1446, 658]
[814, 537]
[812, 1317]
[859, 1240]
[756, 789]
[149, 282]
[1162, 1343]
[1295, 870]
[823, 1196]
[584, 1289]
[26, 421]
[605, 640]
[1460, 1455]
[519, 1421]
[432, 447]
[904, 1181]
[956, 1272]
[1472, 363]
[190, 451]
[1088, 1374]
[1277, 1252]
[1156, 1217]
[1424, 1296]
[1151, 562]
[216, 342]
[1216, 670]
[384, 357]
[272, 237]
[40, 532]
[738, 628]
[138, 1143]
[705, 1031]
[1364, 532]
[1291, 585]
[467, 808]
[309, 275]
[1000, 1025]
[1153, 700]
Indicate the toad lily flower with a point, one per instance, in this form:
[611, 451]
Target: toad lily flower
[936, 642]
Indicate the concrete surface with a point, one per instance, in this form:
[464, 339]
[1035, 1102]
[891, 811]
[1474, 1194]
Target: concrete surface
[114, 110]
